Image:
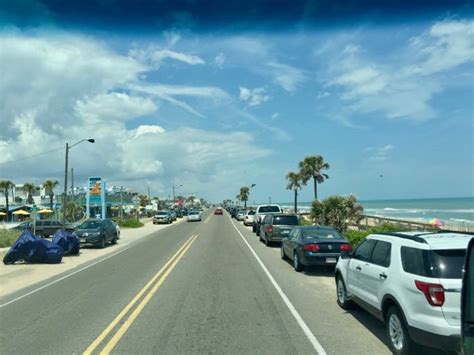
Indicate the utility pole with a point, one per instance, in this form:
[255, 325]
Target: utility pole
[72, 183]
[65, 185]
[121, 202]
[269, 199]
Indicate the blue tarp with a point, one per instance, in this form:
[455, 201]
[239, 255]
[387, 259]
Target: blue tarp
[68, 241]
[33, 250]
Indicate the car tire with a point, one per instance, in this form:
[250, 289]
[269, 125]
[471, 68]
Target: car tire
[296, 263]
[266, 241]
[253, 228]
[341, 293]
[102, 243]
[399, 340]
[114, 240]
[282, 253]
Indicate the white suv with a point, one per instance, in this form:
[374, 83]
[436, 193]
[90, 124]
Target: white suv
[260, 215]
[412, 282]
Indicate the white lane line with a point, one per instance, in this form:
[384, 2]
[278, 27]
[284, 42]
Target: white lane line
[316, 345]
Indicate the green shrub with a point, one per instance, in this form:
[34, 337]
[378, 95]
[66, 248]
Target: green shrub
[8, 237]
[356, 236]
[129, 223]
[337, 211]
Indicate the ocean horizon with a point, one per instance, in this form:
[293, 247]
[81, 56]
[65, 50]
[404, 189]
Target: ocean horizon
[457, 210]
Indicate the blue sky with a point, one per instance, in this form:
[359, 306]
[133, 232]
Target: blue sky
[216, 110]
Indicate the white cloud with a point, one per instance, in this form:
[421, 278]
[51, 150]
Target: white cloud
[253, 97]
[402, 88]
[220, 59]
[380, 153]
[286, 76]
[147, 129]
[155, 57]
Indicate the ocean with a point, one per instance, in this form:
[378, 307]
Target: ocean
[459, 210]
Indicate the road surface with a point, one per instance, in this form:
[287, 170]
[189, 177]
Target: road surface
[201, 287]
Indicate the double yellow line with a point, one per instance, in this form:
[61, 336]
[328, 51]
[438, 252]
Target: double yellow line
[156, 281]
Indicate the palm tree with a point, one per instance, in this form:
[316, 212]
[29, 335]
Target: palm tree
[49, 186]
[30, 188]
[5, 186]
[294, 183]
[311, 167]
[244, 194]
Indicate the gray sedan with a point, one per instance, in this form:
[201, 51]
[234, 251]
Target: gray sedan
[313, 245]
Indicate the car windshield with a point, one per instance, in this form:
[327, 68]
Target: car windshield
[162, 213]
[321, 234]
[90, 225]
[285, 220]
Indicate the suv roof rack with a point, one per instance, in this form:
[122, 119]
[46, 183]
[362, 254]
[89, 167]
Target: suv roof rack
[415, 238]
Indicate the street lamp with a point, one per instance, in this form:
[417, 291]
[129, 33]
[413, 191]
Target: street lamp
[90, 140]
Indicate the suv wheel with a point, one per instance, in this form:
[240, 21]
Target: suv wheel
[296, 263]
[342, 300]
[397, 333]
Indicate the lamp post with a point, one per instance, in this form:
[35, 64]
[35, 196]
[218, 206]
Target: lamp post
[90, 140]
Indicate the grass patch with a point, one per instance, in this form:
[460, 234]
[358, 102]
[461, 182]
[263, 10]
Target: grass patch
[8, 237]
[129, 223]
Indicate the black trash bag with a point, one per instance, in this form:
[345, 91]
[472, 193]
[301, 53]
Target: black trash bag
[68, 241]
[22, 247]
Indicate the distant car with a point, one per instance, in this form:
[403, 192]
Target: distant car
[179, 213]
[249, 218]
[97, 232]
[162, 217]
[233, 212]
[260, 213]
[240, 214]
[218, 211]
[193, 216]
[277, 226]
[313, 245]
[467, 306]
[173, 215]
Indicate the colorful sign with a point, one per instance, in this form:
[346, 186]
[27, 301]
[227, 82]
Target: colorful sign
[95, 198]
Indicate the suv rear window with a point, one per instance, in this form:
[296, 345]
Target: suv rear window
[285, 220]
[265, 209]
[444, 264]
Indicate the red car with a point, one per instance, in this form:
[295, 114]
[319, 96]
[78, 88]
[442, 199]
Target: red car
[218, 211]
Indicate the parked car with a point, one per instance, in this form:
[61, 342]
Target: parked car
[27, 225]
[412, 282]
[43, 228]
[218, 210]
[194, 215]
[260, 212]
[162, 217]
[97, 232]
[233, 212]
[179, 213]
[249, 218]
[240, 214]
[313, 245]
[277, 226]
[467, 304]
[173, 215]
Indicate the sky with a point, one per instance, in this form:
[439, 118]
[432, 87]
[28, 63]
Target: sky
[215, 97]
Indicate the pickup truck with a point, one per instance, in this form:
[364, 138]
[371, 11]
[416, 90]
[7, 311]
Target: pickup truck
[260, 213]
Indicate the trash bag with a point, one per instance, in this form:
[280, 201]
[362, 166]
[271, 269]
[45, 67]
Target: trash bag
[32, 249]
[68, 241]
[22, 247]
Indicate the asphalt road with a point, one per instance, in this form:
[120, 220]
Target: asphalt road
[191, 288]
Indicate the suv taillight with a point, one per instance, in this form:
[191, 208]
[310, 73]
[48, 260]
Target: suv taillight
[311, 247]
[270, 229]
[434, 293]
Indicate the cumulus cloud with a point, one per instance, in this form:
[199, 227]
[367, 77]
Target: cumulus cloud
[63, 88]
[253, 97]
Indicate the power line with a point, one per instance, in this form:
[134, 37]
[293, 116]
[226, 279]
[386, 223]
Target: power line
[31, 156]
